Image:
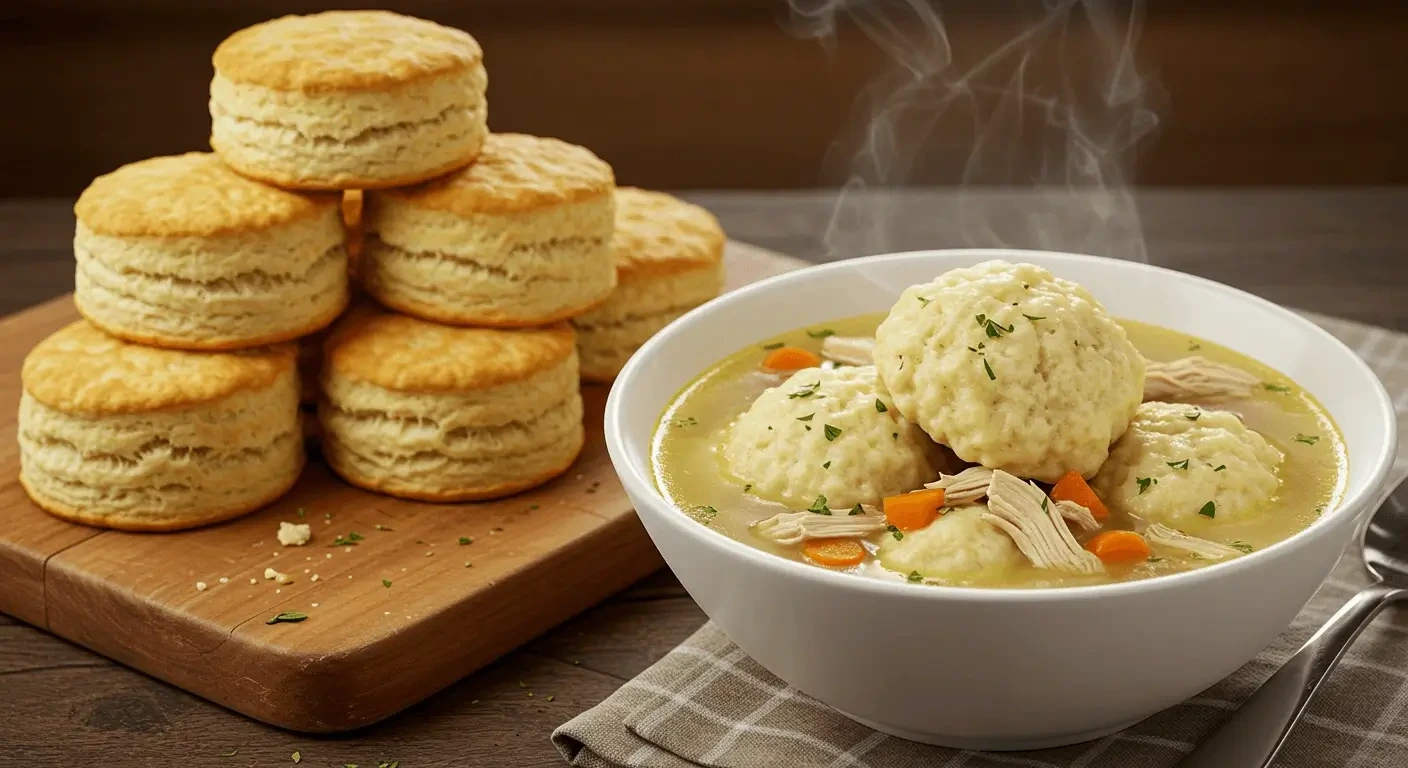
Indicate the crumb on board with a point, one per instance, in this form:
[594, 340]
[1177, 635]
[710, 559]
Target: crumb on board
[200, 586]
[294, 534]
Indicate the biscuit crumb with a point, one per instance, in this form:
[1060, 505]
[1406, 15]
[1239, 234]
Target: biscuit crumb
[224, 580]
[315, 577]
[294, 534]
[282, 578]
[200, 586]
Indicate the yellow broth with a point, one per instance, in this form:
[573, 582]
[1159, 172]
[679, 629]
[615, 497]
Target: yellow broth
[690, 469]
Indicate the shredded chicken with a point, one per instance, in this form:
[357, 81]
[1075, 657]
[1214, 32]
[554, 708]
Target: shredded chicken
[1036, 527]
[1195, 378]
[1159, 535]
[850, 350]
[1075, 513]
[797, 527]
[965, 487]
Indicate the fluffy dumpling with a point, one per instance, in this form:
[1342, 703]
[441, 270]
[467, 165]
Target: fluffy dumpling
[1012, 368]
[1176, 459]
[958, 542]
[832, 433]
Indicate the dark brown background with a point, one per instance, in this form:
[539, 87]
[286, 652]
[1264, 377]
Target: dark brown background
[715, 94]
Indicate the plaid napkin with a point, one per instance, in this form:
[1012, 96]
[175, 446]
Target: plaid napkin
[708, 704]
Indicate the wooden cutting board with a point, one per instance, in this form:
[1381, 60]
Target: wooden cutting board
[366, 650]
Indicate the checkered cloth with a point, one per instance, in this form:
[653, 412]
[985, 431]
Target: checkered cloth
[708, 704]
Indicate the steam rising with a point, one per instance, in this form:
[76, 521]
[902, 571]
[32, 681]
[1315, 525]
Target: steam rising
[1059, 109]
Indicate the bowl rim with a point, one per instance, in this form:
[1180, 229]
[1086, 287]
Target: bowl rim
[641, 486]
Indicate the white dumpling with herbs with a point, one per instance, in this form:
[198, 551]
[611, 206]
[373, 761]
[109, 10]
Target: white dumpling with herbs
[1189, 468]
[831, 433]
[1012, 368]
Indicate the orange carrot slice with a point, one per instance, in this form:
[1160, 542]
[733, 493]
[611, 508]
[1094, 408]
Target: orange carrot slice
[1072, 487]
[834, 553]
[912, 511]
[791, 359]
[1118, 547]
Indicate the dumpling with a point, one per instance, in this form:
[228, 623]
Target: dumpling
[832, 433]
[1188, 468]
[958, 542]
[1012, 368]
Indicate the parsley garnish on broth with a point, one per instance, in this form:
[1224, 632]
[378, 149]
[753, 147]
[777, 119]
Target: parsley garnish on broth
[1209, 510]
[747, 487]
[704, 513]
[685, 422]
[821, 333]
[831, 432]
[856, 510]
[897, 533]
[1178, 464]
[1276, 387]
[819, 506]
[1242, 546]
[806, 391]
[1307, 439]
[915, 577]
[880, 407]
[774, 345]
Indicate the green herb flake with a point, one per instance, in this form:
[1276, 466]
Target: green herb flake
[1276, 387]
[1178, 464]
[988, 368]
[704, 513]
[856, 510]
[1193, 415]
[1320, 510]
[880, 407]
[533, 507]
[290, 617]
[748, 487]
[808, 417]
[894, 435]
[1033, 318]
[995, 330]
[897, 533]
[1144, 483]
[386, 583]
[1155, 559]
[388, 764]
[826, 465]
[1043, 503]
[1307, 439]
[821, 333]
[550, 698]
[297, 757]
[831, 432]
[982, 320]
[466, 540]
[774, 345]
[688, 421]
[914, 577]
[231, 753]
[923, 302]
[1219, 467]
[1194, 346]
[819, 506]
[806, 391]
[1209, 510]
[1242, 546]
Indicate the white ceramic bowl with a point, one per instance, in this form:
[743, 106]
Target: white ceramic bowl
[991, 668]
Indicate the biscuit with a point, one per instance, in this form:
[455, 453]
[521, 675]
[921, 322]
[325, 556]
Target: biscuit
[120, 435]
[183, 252]
[520, 238]
[1175, 459]
[1011, 367]
[348, 100]
[669, 260]
[441, 413]
[821, 433]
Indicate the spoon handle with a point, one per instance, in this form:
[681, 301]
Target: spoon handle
[1251, 736]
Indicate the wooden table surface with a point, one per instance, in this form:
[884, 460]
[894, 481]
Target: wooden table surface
[1337, 251]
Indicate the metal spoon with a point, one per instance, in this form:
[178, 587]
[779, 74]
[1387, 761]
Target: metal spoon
[1252, 736]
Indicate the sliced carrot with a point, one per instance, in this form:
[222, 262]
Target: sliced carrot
[1072, 487]
[912, 511]
[1118, 547]
[834, 553]
[791, 359]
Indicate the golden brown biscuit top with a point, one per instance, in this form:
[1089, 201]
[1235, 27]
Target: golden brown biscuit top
[404, 354]
[513, 173]
[659, 235]
[343, 51]
[185, 195]
[81, 370]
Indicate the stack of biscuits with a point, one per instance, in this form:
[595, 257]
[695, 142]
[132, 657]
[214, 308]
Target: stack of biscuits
[358, 246]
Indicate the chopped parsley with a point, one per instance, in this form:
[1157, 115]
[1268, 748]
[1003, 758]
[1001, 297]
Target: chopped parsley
[351, 538]
[386, 583]
[856, 510]
[831, 432]
[894, 435]
[1033, 318]
[826, 465]
[1307, 439]
[880, 407]
[774, 345]
[291, 617]
[821, 333]
[1193, 415]
[747, 487]
[466, 540]
[819, 506]
[897, 533]
[685, 422]
[1043, 503]
[988, 368]
[1194, 346]
[1276, 387]
[914, 577]
[1242, 546]
[1155, 559]
[806, 391]
[704, 513]
[923, 302]
[297, 756]
[1178, 464]
[992, 328]
[231, 753]
[1144, 483]
[1209, 510]
[808, 417]
[1219, 467]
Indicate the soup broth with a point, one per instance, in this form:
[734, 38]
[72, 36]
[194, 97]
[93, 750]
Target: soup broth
[691, 471]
